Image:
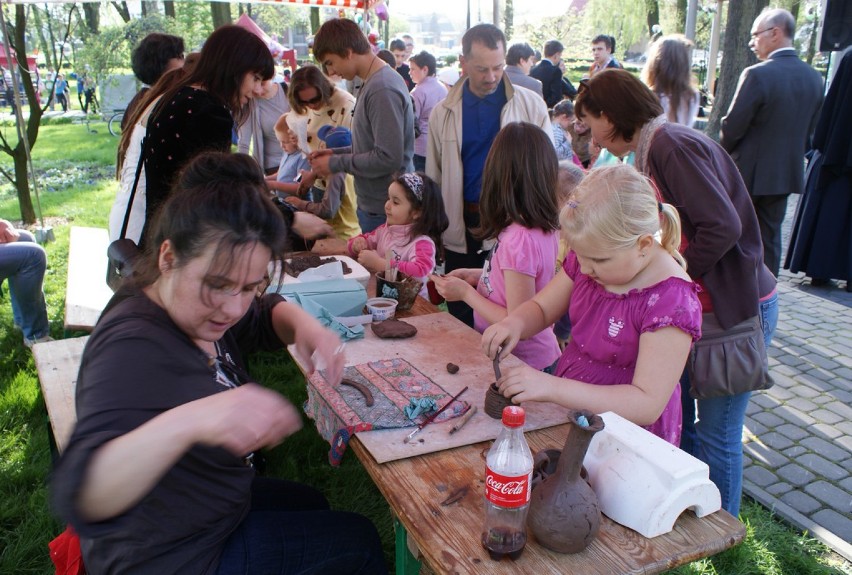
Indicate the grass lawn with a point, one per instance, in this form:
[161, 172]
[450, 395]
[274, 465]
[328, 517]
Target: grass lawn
[76, 188]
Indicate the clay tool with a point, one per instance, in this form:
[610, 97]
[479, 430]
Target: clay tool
[496, 364]
[471, 411]
[432, 417]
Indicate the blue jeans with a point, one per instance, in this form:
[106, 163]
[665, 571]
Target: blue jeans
[24, 262]
[713, 428]
[290, 529]
[369, 221]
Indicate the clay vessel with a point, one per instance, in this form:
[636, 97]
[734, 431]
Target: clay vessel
[495, 402]
[564, 514]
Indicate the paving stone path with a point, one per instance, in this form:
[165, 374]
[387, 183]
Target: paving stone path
[798, 436]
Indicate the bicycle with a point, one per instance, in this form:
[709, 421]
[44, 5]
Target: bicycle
[114, 122]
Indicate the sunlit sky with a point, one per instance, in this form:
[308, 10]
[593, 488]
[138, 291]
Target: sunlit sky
[456, 10]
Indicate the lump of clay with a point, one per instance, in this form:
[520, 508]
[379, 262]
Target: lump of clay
[453, 368]
[394, 329]
[297, 264]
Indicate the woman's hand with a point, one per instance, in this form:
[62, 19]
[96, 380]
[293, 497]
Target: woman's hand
[320, 162]
[242, 420]
[359, 244]
[320, 348]
[501, 337]
[310, 226]
[523, 383]
[371, 260]
[451, 288]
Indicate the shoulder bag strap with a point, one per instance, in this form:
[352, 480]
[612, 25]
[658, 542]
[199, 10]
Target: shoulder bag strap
[133, 190]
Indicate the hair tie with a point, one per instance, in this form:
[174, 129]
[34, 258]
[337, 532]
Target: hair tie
[414, 183]
[660, 207]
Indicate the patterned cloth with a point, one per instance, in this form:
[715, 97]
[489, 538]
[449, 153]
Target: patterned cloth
[342, 411]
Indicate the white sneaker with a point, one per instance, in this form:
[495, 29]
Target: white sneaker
[29, 343]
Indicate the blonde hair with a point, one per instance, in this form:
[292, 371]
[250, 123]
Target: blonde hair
[282, 128]
[615, 206]
[569, 176]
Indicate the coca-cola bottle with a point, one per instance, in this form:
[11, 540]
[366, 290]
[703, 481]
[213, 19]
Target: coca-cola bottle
[508, 472]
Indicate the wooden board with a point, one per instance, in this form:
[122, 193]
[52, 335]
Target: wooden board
[448, 536]
[57, 363]
[441, 339]
[86, 292]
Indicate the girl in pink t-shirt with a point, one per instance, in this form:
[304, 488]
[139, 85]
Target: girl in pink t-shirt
[518, 212]
[634, 310]
[412, 233]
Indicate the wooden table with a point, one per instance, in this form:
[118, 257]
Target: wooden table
[448, 537]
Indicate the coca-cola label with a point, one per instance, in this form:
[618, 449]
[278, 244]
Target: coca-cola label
[507, 490]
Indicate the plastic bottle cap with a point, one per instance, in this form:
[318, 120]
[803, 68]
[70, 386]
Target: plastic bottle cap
[513, 416]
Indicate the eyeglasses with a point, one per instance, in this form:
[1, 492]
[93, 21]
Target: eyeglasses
[313, 101]
[759, 32]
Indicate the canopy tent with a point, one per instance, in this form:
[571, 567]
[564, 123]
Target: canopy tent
[4, 60]
[325, 3]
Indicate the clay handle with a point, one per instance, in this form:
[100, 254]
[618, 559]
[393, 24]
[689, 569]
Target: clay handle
[368, 396]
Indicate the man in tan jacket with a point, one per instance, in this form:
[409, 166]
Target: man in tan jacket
[461, 131]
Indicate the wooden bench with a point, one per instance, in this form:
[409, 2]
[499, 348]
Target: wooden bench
[57, 363]
[86, 292]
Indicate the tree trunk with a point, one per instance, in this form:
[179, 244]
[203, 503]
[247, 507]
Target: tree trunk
[123, 10]
[149, 8]
[809, 56]
[18, 153]
[680, 16]
[169, 9]
[738, 57]
[794, 9]
[509, 19]
[315, 19]
[91, 11]
[221, 12]
[652, 9]
[42, 40]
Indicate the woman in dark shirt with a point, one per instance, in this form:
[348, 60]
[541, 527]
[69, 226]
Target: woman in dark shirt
[157, 475]
[723, 250]
[199, 113]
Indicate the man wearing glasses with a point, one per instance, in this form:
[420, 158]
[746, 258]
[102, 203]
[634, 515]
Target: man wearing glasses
[770, 122]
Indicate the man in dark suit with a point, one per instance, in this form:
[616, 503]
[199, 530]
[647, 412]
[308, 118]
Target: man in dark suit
[770, 122]
[549, 73]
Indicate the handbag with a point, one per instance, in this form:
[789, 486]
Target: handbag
[728, 361]
[122, 253]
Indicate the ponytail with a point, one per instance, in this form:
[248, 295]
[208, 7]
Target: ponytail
[670, 232]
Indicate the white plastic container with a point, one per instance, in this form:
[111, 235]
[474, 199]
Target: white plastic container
[381, 308]
[359, 272]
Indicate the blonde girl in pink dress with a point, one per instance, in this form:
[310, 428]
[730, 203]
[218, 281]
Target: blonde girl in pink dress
[634, 310]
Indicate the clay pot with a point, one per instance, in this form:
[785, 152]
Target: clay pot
[404, 290]
[564, 514]
[495, 402]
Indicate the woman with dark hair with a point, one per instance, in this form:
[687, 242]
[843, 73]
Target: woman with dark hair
[722, 243]
[316, 103]
[668, 72]
[427, 94]
[158, 474]
[199, 112]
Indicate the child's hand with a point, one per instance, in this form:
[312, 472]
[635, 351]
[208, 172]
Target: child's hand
[501, 337]
[308, 179]
[524, 383]
[451, 288]
[372, 260]
[470, 275]
[358, 244]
